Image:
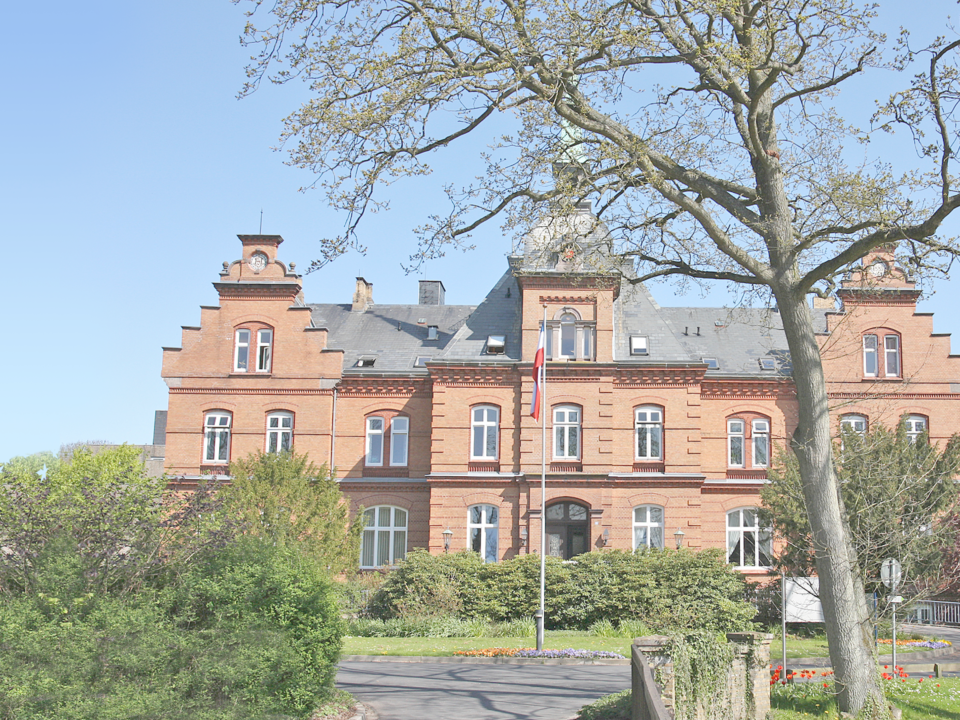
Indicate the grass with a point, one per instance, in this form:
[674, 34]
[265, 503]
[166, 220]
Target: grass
[932, 699]
[816, 646]
[555, 640]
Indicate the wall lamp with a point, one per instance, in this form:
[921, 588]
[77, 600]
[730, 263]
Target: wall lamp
[447, 536]
[678, 536]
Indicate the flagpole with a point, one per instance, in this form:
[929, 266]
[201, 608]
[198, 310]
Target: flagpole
[543, 488]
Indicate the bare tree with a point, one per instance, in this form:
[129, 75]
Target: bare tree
[703, 132]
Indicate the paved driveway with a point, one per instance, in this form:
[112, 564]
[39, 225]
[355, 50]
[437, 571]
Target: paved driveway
[436, 691]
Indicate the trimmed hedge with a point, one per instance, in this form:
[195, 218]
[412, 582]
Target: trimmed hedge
[663, 589]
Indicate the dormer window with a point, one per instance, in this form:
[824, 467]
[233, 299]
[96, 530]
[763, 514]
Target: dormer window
[639, 345]
[496, 344]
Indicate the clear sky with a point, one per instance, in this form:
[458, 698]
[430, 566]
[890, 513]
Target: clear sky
[129, 167]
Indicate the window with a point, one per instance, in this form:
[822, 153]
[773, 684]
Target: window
[761, 443]
[366, 361]
[374, 446]
[569, 337]
[889, 364]
[264, 345]
[377, 445]
[854, 423]
[279, 432]
[735, 440]
[647, 527]
[421, 361]
[748, 545]
[241, 351]
[496, 344]
[916, 425]
[648, 421]
[711, 363]
[399, 431]
[216, 437]
[639, 345]
[384, 540]
[262, 351]
[748, 442]
[484, 432]
[482, 531]
[566, 432]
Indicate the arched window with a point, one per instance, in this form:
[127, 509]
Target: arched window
[648, 423]
[216, 437]
[482, 531]
[916, 425]
[380, 443]
[384, 540]
[484, 432]
[854, 423]
[748, 442]
[748, 545]
[279, 432]
[260, 341]
[566, 432]
[647, 527]
[567, 528]
[569, 337]
[881, 355]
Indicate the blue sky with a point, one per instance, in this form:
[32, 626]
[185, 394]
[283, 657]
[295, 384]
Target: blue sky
[129, 167]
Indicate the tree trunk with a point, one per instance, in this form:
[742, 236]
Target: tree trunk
[845, 611]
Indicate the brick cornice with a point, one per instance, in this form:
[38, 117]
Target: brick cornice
[569, 299]
[475, 376]
[642, 376]
[892, 396]
[248, 391]
[257, 291]
[384, 387]
[747, 387]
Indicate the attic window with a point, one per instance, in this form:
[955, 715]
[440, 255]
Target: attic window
[639, 345]
[711, 363]
[366, 361]
[421, 361]
[496, 344]
[431, 332]
[768, 363]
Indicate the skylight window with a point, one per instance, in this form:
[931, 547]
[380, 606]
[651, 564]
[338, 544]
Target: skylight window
[366, 361]
[768, 363]
[496, 344]
[711, 363]
[639, 345]
[421, 361]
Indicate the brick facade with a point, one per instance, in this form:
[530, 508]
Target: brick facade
[360, 382]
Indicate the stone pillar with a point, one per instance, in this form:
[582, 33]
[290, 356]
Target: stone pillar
[653, 649]
[753, 652]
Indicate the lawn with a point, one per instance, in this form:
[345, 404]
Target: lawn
[558, 640]
[931, 699]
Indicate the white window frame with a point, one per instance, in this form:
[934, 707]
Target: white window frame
[279, 432]
[483, 533]
[485, 425]
[891, 356]
[736, 431]
[384, 538]
[399, 438]
[241, 343]
[264, 349]
[374, 441]
[855, 422]
[217, 426]
[738, 535]
[583, 336]
[648, 425]
[916, 425]
[564, 430]
[639, 345]
[871, 356]
[645, 527]
[760, 441]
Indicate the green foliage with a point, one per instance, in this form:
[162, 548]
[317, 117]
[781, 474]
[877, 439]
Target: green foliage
[660, 589]
[285, 498]
[117, 601]
[899, 502]
[701, 661]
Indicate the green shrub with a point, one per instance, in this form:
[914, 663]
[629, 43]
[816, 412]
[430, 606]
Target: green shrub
[662, 590]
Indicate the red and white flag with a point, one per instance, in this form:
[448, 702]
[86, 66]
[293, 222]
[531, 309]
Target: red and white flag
[537, 367]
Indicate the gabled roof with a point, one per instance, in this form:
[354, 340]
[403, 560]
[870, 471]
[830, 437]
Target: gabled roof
[498, 314]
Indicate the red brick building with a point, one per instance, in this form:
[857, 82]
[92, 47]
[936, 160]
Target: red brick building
[658, 419]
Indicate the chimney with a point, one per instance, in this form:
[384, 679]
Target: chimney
[362, 296]
[431, 292]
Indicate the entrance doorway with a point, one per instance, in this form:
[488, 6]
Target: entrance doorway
[568, 529]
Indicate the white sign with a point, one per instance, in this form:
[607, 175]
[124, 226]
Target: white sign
[803, 600]
[890, 573]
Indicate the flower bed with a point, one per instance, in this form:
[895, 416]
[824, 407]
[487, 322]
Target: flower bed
[930, 644]
[531, 653]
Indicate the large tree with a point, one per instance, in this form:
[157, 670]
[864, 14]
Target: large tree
[703, 132]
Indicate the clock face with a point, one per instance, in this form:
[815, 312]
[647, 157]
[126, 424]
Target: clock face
[878, 269]
[258, 261]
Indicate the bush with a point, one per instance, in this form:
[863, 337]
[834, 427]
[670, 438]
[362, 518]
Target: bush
[660, 589]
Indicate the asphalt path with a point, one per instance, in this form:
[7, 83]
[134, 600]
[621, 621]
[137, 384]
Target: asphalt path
[437, 691]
